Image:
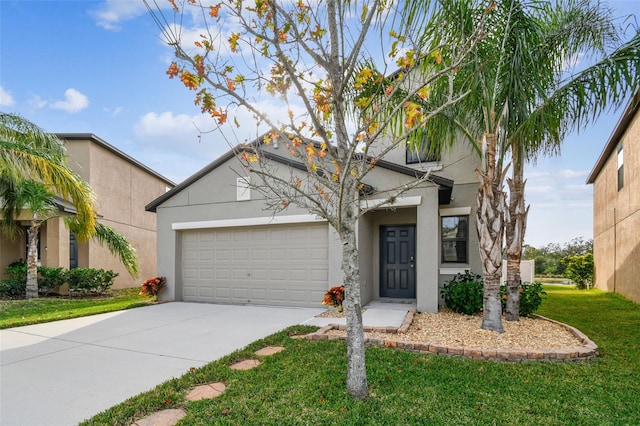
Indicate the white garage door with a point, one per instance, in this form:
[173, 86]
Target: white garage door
[273, 265]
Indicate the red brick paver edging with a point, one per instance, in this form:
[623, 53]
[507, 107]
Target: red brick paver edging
[588, 350]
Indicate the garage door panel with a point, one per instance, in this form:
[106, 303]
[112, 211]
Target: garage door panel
[319, 275]
[281, 265]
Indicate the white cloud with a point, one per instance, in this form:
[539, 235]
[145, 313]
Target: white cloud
[5, 98]
[74, 101]
[113, 112]
[112, 13]
[572, 174]
[37, 102]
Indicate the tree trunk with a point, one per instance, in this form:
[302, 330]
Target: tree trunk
[356, 367]
[32, 261]
[515, 230]
[490, 224]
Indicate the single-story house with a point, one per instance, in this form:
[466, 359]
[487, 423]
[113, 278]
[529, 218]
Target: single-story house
[123, 186]
[218, 243]
[616, 207]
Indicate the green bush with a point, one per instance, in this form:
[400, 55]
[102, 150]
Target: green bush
[49, 278]
[464, 293]
[89, 280]
[16, 283]
[13, 288]
[81, 281]
[530, 298]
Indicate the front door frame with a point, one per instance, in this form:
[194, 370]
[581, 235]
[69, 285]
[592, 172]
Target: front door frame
[400, 265]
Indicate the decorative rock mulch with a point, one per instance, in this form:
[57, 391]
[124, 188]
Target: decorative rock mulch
[577, 348]
[162, 418]
[207, 391]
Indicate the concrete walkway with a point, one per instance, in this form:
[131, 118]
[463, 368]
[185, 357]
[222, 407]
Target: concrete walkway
[63, 372]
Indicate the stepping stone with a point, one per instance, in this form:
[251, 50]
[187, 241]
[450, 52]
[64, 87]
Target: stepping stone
[162, 418]
[247, 364]
[269, 350]
[210, 390]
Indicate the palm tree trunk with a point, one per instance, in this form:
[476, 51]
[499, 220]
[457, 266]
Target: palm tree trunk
[490, 224]
[356, 367]
[515, 230]
[32, 261]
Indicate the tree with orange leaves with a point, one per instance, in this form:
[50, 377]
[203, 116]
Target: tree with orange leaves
[325, 61]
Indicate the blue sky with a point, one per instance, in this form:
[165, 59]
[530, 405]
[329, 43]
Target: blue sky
[99, 67]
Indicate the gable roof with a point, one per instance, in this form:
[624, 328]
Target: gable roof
[444, 194]
[630, 111]
[101, 142]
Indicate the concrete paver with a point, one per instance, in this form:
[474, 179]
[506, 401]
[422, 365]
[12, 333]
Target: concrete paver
[269, 350]
[247, 364]
[167, 417]
[210, 390]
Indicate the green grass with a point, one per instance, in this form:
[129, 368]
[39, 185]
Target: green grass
[305, 384]
[14, 313]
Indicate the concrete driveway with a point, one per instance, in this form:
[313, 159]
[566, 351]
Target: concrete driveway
[63, 372]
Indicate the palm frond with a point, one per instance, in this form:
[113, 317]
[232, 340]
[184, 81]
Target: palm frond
[115, 242]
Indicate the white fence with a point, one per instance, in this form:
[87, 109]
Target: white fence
[527, 271]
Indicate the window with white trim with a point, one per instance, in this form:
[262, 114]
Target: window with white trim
[454, 231]
[620, 167]
[243, 192]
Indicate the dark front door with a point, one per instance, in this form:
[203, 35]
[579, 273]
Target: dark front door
[398, 261]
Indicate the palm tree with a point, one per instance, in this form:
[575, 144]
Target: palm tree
[29, 153]
[32, 168]
[516, 101]
[35, 198]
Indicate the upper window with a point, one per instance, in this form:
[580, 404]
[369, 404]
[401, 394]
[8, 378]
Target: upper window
[620, 167]
[243, 190]
[455, 239]
[423, 154]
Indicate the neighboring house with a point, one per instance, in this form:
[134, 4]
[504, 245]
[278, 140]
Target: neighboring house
[616, 207]
[218, 243]
[123, 186]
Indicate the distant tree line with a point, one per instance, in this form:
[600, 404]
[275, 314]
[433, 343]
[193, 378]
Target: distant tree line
[572, 260]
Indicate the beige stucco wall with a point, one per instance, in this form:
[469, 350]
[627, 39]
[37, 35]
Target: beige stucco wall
[11, 249]
[616, 241]
[123, 189]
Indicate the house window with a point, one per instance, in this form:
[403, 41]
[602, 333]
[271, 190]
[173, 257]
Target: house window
[620, 167]
[243, 192]
[422, 154]
[455, 239]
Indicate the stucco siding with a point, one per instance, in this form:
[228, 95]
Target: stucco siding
[122, 191]
[617, 217]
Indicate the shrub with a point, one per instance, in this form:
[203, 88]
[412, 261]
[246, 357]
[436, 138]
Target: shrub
[580, 270]
[334, 297]
[89, 280]
[13, 288]
[16, 283]
[464, 293]
[153, 286]
[530, 297]
[49, 279]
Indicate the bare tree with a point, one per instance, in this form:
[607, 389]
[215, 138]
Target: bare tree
[326, 62]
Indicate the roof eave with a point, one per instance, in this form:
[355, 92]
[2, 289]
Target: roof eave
[621, 127]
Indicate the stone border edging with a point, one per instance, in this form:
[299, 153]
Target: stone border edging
[577, 353]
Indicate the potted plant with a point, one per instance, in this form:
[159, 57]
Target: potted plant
[334, 297]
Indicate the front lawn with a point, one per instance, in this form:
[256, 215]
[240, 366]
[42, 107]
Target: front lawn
[305, 384]
[14, 313]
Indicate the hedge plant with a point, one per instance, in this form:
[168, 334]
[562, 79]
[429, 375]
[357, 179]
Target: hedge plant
[464, 294]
